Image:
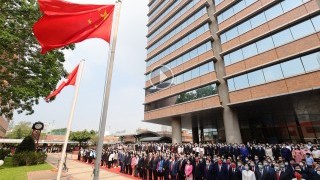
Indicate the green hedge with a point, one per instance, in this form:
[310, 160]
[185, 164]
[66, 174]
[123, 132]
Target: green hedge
[28, 158]
[4, 153]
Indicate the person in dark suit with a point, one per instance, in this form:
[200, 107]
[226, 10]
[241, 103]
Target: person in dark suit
[220, 172]
[140, 166]
[305, 170]
[234, 173]
[276, 152]
[166, 167]
[290, 169]
[251, 151]
[261, 153]
[280, 173]
[208, 170]
[261, 173]
[315, 175]
[150, 163]
[173, 168]
[154, 166]
[145, 167]
[285, 153]
[198, 169]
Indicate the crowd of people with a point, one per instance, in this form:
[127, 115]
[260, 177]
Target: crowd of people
[158, 161]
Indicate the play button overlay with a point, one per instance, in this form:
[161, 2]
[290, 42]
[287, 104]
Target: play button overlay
[163, 77]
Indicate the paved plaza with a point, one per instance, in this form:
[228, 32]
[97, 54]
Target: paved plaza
[76, 170]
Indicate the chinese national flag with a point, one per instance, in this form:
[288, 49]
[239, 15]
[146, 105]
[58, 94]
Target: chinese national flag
[64, 23]
[71, 80]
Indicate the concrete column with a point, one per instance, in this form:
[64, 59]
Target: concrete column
[201, 135]
[230, 118]
[195, 134]
[176, 130]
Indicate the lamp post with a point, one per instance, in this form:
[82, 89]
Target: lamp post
[37, 127]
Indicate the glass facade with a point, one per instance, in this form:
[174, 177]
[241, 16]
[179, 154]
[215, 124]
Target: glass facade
[182, 59]
[163, 3]
[177, 15]
[186, 76]
[242, 4]
[201, 92]
[286, 69]
[259, 19]
[178, 29]
[293, 33]
[193, 35]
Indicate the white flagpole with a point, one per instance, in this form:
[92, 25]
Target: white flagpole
[107, 87]
[65, 144]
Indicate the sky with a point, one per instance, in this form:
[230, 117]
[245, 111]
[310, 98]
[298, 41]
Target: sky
[127, 94]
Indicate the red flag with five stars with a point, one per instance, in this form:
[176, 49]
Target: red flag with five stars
[71, 80]
[64, 23]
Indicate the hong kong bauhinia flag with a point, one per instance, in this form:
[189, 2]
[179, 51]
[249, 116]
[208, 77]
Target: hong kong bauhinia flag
[64, 23]
[71, 80]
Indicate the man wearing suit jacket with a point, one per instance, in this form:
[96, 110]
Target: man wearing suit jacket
[166, 167]
[282, 174]
[140, 166]
[234, 173]
[198, 169]
[173, 168]
[208, 170]
[261, 173]
[220, 172]
[145, 167]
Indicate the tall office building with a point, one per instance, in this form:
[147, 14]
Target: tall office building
[234, 70]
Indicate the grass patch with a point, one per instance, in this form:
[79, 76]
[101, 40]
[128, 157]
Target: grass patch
[9, 172]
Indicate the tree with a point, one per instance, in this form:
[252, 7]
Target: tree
[21, 130]
[82, 136]
[26, 145]
[25, 74]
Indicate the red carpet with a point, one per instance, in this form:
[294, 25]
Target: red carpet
[113, 170]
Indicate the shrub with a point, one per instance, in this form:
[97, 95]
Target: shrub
[26, 145]
[4, 153]
[28, 158]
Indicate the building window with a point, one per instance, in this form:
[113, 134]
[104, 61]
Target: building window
[249, 51]
[286, 69]
[257, 20]
[273, 12]
[282, 38]
[181, 42]
[231, 85]
[236, 56]
[273, 73]
[303, 29]
[265, 45]
[289, 5]
[241, 82]
[183, 97]
[316, 23]
[191, 74]
[195, 72]
[242, 4]
[256, 78]
[311, 62]
[292, 67]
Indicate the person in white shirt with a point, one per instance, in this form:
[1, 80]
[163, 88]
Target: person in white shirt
[315, 154]
[247, 174]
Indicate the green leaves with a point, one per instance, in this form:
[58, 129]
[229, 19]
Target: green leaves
[82, 136]
[26, 76]
[21, 130]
